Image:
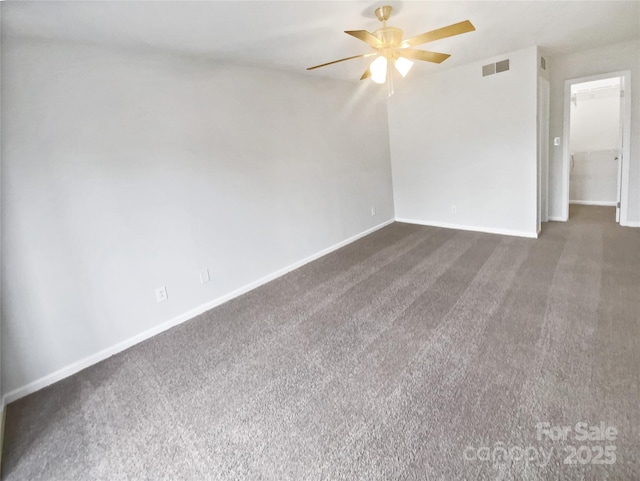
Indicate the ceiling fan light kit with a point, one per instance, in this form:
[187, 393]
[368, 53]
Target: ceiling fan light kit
[403, 65]
[390, 49]
[379, 70]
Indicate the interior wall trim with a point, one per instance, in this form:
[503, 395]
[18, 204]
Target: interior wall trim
[488, 230]
[625, 77]
[92, 359]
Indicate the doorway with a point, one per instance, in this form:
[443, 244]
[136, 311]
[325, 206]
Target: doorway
[596, 134]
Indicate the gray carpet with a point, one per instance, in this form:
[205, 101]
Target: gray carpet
[412, 354]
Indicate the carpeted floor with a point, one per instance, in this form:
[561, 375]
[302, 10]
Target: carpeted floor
[416, 353]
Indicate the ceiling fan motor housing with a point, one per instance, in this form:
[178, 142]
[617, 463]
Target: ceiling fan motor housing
[389, 36]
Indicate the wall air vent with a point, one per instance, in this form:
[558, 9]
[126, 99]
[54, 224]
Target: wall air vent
[497, 67]
[502, 66]
[488, 69]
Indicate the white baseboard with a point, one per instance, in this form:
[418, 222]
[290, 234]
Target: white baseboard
[557, 219]
[605, 203]
[488, 230]
[127, 343]
[622, 223]
[630, 224]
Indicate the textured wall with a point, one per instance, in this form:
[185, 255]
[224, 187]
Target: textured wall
[125, 172]
[460, 139]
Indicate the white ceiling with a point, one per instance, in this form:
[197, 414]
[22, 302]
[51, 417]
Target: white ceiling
[293, 35]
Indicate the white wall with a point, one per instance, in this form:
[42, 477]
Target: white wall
[461, 139]
[594, 177]
[612, 58]
[595, 121]
[125, 172]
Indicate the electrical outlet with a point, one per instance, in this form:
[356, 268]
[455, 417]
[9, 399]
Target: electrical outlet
[161, 294]
[204, 276]
[454, 209]
[373, 211]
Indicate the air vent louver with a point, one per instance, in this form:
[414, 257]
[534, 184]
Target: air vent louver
[502, 66]
[488, 69]
[497, 67]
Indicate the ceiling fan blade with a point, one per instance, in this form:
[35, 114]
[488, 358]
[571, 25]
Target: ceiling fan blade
[366, 74]
[342, 60]
[444, 32]
[434, 57]
[365, 36]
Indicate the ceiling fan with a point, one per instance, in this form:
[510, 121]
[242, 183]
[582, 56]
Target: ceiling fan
[391, 49]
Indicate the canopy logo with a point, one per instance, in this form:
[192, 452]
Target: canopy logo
[597, 447]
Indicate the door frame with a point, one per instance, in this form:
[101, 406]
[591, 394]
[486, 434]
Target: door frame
[625, 86]
[544, 106]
